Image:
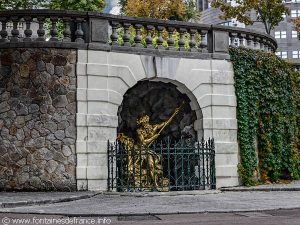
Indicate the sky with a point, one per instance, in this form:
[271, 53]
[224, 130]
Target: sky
[112, 7]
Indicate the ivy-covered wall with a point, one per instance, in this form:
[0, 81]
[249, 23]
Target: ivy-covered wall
[268, 101]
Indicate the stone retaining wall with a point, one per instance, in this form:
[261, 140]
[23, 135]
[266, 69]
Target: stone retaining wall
[37, 119]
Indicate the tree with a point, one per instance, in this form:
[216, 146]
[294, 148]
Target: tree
[160, 9]
[296, 23]
[21, 4]
[79, 5]
[269, 12]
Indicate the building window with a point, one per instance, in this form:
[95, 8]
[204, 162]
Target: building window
[280, 34]
[295, 13]
[294, 34]
[290, 1]
[282, 55]
[296, 54]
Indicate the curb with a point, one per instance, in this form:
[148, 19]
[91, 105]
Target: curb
[47, 201]
[153, 213]
[259, 189]
[153, 194]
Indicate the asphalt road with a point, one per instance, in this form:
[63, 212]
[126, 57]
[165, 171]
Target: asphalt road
[275, 217]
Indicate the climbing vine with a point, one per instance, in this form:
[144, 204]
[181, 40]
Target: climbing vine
[268, 109]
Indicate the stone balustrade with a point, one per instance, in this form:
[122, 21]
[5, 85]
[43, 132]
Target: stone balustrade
[93, 31]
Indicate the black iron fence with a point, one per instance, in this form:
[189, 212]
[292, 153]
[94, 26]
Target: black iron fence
[164, 166]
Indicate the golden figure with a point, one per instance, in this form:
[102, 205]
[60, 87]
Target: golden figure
[144, 165]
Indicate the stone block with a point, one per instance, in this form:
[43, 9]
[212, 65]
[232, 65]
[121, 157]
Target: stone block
[199, 113]
[163, 67]
[102, 108]
[81, 69]
[97, 69]
[118, 85]
[102, 133]
[223, 124]
[82, 107]
[97, 159]
[82, 82]
[198, 124]
[82, 56]
[194, 105]
[221, 65]
[99, 57]
[207, 134]
[82, 159]
[222, 77]
[100, 30]
[226, 171]
[97, 82]
[102, 120]
[226, 100]
[221, 41]
[115, 97]
[97, 146]
[81, 172]
[81, 94]
[82, 185]
[205, 100]
[223, 89]
[204, 123]
[124, 73]
[195, 78]
[82, 133]
[224, 112]
[97, 173]
[81, 119]
[97, 185]
[81, 147]
[188, 64]
[206, 112]
[227, 159]
[97, 95]
[202, 90]
[226, 147]
[227, 182]
[132, 61]
[225, 135]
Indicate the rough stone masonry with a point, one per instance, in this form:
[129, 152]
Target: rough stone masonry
[37, 119]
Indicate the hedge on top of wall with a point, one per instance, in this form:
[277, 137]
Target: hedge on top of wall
[268, 104]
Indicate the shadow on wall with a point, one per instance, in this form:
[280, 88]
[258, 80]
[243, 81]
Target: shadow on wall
[158, 100]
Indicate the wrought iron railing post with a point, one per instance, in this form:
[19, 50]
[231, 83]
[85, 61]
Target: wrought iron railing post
[213, 165]
[147, 171]
[108, 166]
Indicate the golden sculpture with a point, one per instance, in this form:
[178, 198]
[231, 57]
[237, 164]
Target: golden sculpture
[143, 166]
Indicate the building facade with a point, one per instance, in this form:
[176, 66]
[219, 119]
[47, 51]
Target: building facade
[285, 34]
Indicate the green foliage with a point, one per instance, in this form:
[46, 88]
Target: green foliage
[268, 100]
[21, 4]
[185, 10]
[78, 5]
[269, 12]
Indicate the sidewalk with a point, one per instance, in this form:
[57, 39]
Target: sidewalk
[114, 204]
[17, 199]
[293, 186]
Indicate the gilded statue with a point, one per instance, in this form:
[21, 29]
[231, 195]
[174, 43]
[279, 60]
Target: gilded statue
[143, 165]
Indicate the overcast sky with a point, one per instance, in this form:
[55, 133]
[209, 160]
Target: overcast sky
[111, 6]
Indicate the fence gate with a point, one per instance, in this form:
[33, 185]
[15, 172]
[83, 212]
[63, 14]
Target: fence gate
[164, 166]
